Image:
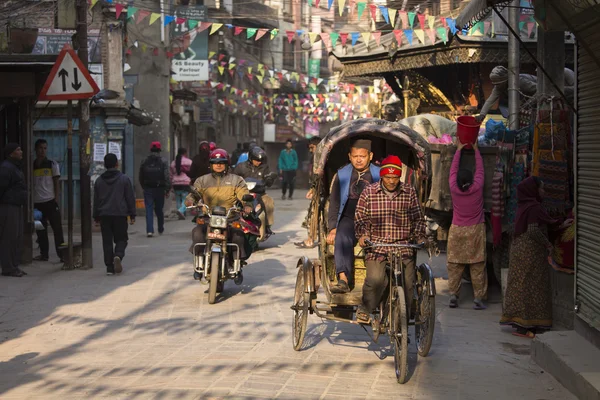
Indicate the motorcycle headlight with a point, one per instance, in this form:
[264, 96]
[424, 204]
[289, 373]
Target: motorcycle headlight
[218, 222]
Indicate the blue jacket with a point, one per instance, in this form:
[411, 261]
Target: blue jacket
[344, 176]
[288, 161]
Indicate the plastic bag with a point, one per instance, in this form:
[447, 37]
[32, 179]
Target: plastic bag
[494, 130]
[445, 139]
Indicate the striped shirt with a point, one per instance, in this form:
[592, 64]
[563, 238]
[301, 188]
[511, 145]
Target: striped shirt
[389, 219]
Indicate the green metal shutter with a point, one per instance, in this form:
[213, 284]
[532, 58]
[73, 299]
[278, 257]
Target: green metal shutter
[587, 274]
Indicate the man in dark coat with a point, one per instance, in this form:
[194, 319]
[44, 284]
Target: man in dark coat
[13, 197]
[114, 201]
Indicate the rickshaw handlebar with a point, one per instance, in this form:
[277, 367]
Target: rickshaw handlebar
[370, 244]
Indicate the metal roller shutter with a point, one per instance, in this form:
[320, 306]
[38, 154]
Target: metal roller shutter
[587, 278]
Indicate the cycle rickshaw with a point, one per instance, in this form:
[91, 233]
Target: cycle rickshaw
[392, 317]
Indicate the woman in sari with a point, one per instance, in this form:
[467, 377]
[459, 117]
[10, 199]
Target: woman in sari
[528, 298]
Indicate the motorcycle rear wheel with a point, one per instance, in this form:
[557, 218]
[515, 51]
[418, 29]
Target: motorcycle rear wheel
[214, 278]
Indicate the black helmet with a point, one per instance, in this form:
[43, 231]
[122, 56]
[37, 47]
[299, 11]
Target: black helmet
[257, 154]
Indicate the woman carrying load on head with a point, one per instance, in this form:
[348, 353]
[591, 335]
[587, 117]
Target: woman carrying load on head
[528, 298]
[466, 239]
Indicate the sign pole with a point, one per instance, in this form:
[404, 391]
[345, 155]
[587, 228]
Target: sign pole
[70, 179]
[85, 194]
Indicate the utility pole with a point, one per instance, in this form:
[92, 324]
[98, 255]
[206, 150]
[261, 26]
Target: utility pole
[84, 137]
[513, 67]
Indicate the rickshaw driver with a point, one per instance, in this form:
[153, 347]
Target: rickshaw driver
[219, 188]
[346, 188]
[387, 212]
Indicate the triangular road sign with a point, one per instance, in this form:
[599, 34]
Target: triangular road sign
[69, 79]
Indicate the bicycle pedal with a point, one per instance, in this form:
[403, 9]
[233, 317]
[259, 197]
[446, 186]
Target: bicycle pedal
[376, 330]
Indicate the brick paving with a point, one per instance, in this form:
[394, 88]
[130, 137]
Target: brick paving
[151, 334]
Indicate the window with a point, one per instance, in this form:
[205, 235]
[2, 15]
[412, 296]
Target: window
[288, 7]
[289, 57]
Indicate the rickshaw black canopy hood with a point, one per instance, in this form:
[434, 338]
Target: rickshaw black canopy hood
[387, 138]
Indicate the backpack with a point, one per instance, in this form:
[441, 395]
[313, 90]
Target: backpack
[153, 172]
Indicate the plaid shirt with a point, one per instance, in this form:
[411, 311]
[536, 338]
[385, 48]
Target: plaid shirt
[385, 219]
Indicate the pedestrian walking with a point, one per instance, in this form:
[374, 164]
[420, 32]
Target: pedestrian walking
[13, 197]
[528, 297]
[180, 167]
[466, 239]
[200, 164]
[114, 201]
[46, 193]
[156, 182]
[288, 165]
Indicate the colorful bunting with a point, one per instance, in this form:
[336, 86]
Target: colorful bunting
[250, 32]
[404, 19]
[329, 4]
[142, 15]
[398, 34]
[341, 5]
[421, 20]
[385, 13]
[261, 33]
[355, 36]
[119, 9]
[290, 35]
[443, 34]
[411, 18]
[373, 9]
[392, 13]
[168, 19]
[431, 35]
[361, 9]
[344, 38]
[131, 11]
[274, 33]
[237, 30]
[377, 36]
[334, 38]
[420, 33]
[215, 27]
[409, 36]
[431, 21]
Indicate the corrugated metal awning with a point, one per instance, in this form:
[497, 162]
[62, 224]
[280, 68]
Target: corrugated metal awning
[477, 10]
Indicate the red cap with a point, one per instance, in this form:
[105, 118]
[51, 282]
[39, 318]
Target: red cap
[155, 145]
[391, 165]
[213, 146]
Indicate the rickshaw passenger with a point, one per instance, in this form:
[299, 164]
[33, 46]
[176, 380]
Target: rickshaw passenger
[387, 212]
[346, 188]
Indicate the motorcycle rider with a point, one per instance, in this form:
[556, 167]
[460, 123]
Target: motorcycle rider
[256, 167]
[219, 188]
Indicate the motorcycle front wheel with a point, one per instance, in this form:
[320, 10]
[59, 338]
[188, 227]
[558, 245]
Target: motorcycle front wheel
[214, 278]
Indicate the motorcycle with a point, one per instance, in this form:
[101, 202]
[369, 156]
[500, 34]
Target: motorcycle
[257, 188]
[221, 259]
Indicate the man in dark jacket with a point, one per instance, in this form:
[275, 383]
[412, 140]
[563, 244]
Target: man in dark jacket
[13, 197]
[156, 182]
[114, 201]
[257, 168]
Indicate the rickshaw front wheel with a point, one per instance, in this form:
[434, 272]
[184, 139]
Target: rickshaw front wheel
[399, 333]
[300, 308]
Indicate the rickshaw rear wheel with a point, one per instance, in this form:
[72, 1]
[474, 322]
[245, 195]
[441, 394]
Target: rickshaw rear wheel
[399, 334]
[425, 318]
[300, 307]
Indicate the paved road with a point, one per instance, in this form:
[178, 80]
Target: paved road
[150, 334]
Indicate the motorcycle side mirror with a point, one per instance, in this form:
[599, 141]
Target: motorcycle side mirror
[247, 198]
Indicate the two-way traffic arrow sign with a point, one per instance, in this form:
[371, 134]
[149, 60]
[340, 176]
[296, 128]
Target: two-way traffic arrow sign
[69, 79]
